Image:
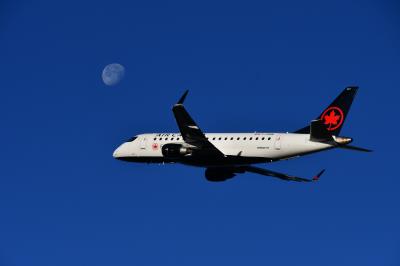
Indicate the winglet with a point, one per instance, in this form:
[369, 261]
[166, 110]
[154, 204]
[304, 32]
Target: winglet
[316, 178]
[182, 99]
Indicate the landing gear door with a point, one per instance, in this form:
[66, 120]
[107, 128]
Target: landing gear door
[278, 142]
[143, 143]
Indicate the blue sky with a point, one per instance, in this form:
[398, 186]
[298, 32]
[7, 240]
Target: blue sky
[250, 66]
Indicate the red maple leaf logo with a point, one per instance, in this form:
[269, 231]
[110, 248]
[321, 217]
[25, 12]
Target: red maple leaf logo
[154, 146]
[333, 118]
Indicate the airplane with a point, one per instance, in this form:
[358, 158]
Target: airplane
[224, 155]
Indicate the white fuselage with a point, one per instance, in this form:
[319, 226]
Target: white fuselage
[252, 147]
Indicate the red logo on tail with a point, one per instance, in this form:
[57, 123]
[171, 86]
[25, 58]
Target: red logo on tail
[333, 117]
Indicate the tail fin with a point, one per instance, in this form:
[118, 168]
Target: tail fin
[334, 115]
[319, 133]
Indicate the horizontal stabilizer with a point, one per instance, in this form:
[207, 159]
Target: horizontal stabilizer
[355, 148]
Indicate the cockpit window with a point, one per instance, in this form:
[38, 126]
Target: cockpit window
[131, 139]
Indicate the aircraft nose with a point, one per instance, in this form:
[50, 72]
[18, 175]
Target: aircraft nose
[115, 153]
[122, 151]
[118, 152]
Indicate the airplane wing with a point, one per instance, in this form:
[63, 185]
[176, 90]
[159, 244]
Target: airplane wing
[286, 177]
[190, 132]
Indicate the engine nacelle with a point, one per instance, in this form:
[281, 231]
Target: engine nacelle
[218, 175]
[174, 151]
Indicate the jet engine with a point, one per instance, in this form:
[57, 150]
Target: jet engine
[174, 151]
[218, 175]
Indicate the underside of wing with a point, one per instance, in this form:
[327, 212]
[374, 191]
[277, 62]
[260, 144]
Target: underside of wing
[282, 176]
[224, 173]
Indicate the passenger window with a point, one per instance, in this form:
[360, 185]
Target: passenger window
[231, 138]
[238, 138]
[177, 138]
[257, 138]
[166, 138]
[213, 138]
[244, 138]
[160, 138]
[251, 138]
[155, 139]
[269, 138]
[172, 138]
[226, 138]
[219, 138]
[263, 138]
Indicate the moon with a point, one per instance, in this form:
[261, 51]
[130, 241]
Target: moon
[113, 74]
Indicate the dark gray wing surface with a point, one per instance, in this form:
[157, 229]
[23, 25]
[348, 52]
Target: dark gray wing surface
[267, 172]
[190, 132]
